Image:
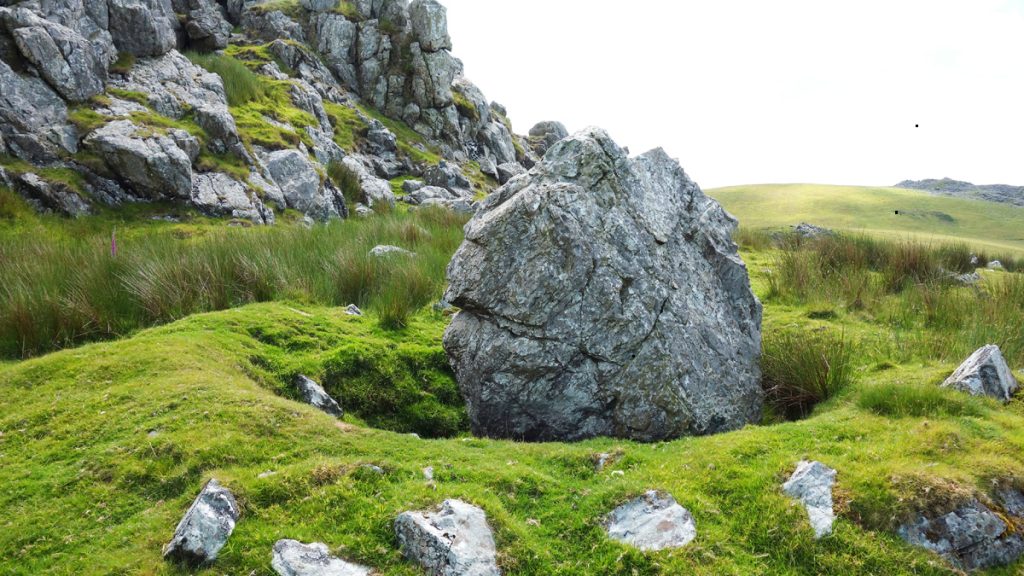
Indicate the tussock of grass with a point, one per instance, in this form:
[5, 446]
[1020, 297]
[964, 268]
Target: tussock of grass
[349, 128]
[919, 401]
[240, 84]
[63, 292]
[346, 180]
[802, 370]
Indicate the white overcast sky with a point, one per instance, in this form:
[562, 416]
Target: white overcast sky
[757, 91]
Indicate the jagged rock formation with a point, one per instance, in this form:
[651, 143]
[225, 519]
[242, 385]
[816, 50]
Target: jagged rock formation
[958, 189]
[603, 296]
[454, 540]
[984, 373]
[101, 87]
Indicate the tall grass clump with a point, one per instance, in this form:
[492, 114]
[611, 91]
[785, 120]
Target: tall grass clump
[346, 180]
[59, 292]
[240, 83]
[799, 371]
[903, 400]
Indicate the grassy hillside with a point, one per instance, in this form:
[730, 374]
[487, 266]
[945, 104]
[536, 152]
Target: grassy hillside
[987, 225]
[104, 446]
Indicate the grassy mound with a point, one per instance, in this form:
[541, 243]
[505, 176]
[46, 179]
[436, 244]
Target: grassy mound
[995, 228]
[104, 446]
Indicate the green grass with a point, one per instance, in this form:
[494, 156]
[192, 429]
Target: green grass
[993, 227]
[61, 291]
[241, 84]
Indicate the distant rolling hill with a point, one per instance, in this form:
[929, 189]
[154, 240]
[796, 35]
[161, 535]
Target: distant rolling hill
[957, 189]
[890, 212]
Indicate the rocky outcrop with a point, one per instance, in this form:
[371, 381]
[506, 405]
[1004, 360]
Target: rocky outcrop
[972, 537]
[452, 541]
[811, 484]
[958, 189]
[142, 27]
[603, 296]
[984, 373]
[546, 134]
[206, 26]
[218, 194]
[317, 397]
[301, 186]
[33, 118]
[810, 231]
[153, 165]
[47, 196]
[293, 558]
[205, 528]
[654, 521]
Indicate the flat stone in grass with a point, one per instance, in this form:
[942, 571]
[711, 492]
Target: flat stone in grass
[972, 537]
[653, 521]
[316, 396]
[452, 541]
[984, 373]
[385, 250]
[811, 484]
[293, 558]
[205, 528]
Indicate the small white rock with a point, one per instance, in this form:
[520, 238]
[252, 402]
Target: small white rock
[653, 521]
[811, 484]
[293, 558]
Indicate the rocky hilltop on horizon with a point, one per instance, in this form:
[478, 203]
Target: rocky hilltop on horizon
[958, 189]
[243, 108]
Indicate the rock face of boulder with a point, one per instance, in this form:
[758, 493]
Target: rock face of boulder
[453, 541]
[653, 521]
[603, 296]
[544, 135]
[293, 558]
[205, 528]
[972, 537]
[153, 165]
[316, 396]
[984, 373]
[811, 484]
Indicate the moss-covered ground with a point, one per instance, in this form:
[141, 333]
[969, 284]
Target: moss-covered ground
[103, 447]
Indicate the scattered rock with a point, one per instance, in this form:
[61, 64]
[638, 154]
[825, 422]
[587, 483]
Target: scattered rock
[428, 473]
[316, 396]
[809, 231]
[410, 186]
[293, 558]
[453, 541]
[426, 193]
[449, 177]
[546, 134]
[374, 468]
[653, 521]
[33, 118]
[353, 310]
[984, 373]
[995, 265]
[611, 299]
[385, 250]
[811, 484]
[205, 528]
[972, 537]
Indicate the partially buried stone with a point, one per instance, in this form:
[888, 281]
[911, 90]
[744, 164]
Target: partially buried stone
[205, 528]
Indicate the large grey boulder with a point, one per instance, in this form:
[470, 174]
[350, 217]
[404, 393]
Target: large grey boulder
[218, 194]
[603, 296]
[47, 196]
[448, 176]
[317, 397]
[429, 21]
[33, 118]
[293, 558]
[65, 59]
[300, 184]
[509, 171]
[984, 373]
[142, 27]
[452, 541]
[272, 25]
[206, 26]
[972, 537]
[152, 165]
[811, 484]
[205, 528]
[654, 521]
[545, 134]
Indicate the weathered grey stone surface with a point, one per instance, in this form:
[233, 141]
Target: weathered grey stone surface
[142, 27]
[316, 396]
[603, 296]
[294, 174]
[972, 537]
[205, 528]
[449, 176]
[206, 26]
[33, 117]
[984, 373]
[65, 59]
[426, 193]
[151, 165]
[218, 194]
[995, 265]
[805, 230]
[293, 558]
[653, 521]
[430, 25]
[452, 541]
[319, 5]
[50, 196]
[509, 171]
[387, 250]
[545, 134]
[272, 25]
[811, 484]
[374, 190]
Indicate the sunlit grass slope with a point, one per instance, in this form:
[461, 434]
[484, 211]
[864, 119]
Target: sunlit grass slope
[989, 225]
[103, 448]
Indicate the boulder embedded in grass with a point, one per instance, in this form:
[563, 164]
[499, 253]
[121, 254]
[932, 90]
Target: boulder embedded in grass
[653, 521]
[384, 250]
[317, 397]
[205, 528]
[453, 541]
[811, 484]
[972, 537]
[293, 558]
[984, 373]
